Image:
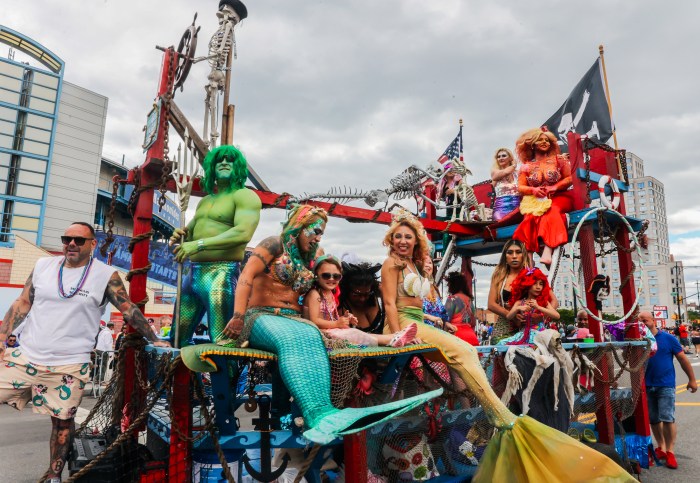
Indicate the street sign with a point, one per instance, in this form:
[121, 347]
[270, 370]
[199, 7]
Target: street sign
[660, 312]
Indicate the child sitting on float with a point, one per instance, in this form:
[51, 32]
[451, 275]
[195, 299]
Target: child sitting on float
[531, 298]
[321, 308]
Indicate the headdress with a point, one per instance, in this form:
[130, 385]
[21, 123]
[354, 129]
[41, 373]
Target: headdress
[299, 217]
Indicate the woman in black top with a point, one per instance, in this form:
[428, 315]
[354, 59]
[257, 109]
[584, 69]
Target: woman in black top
[360, 296]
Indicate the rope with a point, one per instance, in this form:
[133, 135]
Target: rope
[307, 463]
[135, 239]
[128, 433]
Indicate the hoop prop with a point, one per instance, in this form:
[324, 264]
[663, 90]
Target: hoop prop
[607, 180]
[574, 278]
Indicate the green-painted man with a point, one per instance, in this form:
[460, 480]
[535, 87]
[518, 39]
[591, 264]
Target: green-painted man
[215, 242]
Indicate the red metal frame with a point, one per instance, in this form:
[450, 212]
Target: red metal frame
[355, 450]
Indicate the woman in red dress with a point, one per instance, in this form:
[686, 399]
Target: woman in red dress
[545, 177]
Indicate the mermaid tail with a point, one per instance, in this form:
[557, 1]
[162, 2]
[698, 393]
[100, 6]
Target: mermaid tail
[305, 370]
[523, 449]
[532, 451]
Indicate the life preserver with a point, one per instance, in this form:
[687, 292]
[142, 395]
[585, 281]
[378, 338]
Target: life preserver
[607, 180]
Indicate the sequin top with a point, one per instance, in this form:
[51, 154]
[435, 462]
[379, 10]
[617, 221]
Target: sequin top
[282, 270]
[543, 173]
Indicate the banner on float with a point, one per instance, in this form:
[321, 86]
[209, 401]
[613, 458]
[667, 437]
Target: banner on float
[164, 266]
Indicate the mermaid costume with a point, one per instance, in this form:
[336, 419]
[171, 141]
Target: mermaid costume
[304, 366]
[208, 287]
[522, 449]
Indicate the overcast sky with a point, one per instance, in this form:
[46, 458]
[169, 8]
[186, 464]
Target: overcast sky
[351, 93]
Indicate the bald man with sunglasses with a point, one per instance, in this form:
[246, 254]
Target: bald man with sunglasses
[61, 305]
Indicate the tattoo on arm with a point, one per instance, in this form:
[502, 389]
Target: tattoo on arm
[237, 315]
[265, 262]
[19, 308]
[116, 293]
[273, 245]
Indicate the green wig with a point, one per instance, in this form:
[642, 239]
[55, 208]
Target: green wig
[239, 167]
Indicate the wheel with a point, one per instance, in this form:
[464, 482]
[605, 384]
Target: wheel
[185, 50]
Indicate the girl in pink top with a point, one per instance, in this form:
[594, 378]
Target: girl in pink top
[321, 308]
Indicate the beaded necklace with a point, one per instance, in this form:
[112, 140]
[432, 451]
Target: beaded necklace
[81, 282]
[329, 310]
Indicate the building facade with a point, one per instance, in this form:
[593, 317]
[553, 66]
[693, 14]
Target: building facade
[51, 168]
[51, 136]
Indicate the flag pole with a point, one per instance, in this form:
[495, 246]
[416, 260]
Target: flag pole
[461, 145]
[607, 98]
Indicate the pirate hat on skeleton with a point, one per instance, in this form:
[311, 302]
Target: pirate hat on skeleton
[237, 6]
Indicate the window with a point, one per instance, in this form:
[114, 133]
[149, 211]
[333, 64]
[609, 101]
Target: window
[11, 97]
[640, 185]
[41, 105]
[39, 122]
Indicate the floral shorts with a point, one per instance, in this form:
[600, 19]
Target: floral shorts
[53, 390]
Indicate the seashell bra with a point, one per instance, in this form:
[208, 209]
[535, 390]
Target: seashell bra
[414, 285]
[282, 270]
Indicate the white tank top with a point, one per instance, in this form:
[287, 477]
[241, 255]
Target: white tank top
[59, 331]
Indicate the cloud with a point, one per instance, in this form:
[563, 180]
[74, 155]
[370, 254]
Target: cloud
[351, 93]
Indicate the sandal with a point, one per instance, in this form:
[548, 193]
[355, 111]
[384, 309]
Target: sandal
[574, 433]
[405, 336]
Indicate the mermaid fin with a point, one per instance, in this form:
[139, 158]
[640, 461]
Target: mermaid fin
[532, 451]
[353, 420]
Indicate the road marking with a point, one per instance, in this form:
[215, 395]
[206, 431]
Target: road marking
[688, 404]
[684, 385]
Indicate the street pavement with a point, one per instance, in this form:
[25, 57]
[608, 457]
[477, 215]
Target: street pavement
[24, 449]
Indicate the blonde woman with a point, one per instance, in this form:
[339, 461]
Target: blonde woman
[504, 178]
[522, 449]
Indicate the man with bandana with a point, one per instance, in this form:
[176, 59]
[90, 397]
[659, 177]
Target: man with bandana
[214, 241]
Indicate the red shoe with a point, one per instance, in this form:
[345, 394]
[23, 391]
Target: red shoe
[660, 454]
[671, 461]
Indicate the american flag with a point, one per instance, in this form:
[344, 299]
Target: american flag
[454, 150]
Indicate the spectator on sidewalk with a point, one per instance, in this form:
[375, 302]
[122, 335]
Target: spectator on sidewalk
[661, 389]
[103, 348]
[582, 323]
[683, 336]
[60, 308]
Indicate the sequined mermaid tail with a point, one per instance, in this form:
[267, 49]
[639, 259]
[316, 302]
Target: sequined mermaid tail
[304, 367]
[523, 450]
[209, 287]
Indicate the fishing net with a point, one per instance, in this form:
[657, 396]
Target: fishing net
[137, 439]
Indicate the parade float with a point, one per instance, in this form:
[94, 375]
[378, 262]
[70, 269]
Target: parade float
[210, 413]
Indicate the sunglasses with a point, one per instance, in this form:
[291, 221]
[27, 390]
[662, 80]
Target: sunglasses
[583, 320]
[329, 276]
[502, 156]
[78, 240]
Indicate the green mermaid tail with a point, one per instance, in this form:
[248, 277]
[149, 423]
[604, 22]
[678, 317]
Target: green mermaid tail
[304, 367]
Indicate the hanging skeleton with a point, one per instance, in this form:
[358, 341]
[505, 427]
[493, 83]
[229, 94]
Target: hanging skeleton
[230, 14]
[465, 199]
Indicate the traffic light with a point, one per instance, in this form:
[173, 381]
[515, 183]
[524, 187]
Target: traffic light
[680, 299]
[674, 316]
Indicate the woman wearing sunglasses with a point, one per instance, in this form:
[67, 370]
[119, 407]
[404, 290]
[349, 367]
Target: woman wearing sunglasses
[321, 308]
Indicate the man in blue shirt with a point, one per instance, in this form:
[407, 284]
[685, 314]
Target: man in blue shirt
[660, 380]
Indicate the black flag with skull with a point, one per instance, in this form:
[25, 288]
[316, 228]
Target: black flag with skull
[585, 111]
